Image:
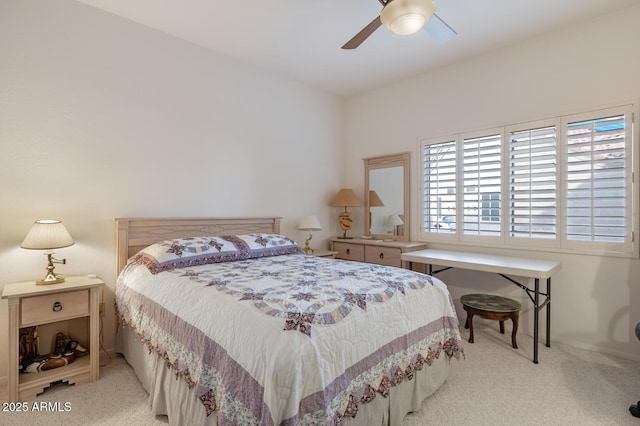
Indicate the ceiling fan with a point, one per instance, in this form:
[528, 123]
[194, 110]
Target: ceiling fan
[406, 17]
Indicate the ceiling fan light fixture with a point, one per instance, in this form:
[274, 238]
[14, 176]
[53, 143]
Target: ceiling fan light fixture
[404, 17]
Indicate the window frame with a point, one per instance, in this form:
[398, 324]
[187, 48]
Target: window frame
[630, 246]
[630, 189]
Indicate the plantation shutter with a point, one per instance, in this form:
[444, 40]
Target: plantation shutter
[532, 183]
[595, 177]
[482, 184]
[439, 209]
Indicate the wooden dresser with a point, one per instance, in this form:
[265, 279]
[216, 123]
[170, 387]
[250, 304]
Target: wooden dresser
[374, 251]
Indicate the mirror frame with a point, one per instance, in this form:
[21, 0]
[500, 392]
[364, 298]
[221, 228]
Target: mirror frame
[382, 162]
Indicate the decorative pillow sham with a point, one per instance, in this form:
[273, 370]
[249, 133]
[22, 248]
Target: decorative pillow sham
[188, 252]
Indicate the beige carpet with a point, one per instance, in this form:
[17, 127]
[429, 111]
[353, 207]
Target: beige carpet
[494, 385]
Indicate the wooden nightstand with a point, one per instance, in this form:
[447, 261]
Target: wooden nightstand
[324, 253]
[71, 307]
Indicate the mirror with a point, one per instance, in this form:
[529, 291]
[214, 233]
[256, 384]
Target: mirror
[386, 183]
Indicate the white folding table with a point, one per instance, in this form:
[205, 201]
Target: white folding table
[503, 266]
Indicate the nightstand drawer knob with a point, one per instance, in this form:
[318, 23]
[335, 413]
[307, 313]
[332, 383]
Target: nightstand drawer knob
[381, 255]
[57, 307]
[348, 251]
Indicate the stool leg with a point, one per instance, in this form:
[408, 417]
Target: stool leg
[501, 327]
[466, 322]
[470, 324]
[514, 318]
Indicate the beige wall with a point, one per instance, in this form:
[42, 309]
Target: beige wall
[596, 300]
[104, 118]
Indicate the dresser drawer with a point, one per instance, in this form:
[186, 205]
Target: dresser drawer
[389, 256]
[54, 307]
[349, 251]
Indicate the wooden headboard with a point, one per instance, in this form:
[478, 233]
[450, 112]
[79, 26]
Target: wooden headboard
[134, 234]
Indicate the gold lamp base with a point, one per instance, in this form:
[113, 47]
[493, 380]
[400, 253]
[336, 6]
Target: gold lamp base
[51, 277]
[307, 249]
[50, 280]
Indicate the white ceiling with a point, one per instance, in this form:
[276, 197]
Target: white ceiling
[302, 38]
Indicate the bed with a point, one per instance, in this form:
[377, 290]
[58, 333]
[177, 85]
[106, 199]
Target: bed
[225, 321]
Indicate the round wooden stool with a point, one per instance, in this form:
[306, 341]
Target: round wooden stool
[491, 307]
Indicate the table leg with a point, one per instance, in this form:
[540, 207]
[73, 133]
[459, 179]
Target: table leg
[548, 343]
[514, 320]
[535, 320]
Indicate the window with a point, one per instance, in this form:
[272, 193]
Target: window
[564, 183]
[533, 182]
[597, 192]
[490, 207]
[440, 182]
[482, 180]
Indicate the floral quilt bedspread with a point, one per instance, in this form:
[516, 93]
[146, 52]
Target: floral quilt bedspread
[290, 339]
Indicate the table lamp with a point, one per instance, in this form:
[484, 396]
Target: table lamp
[374, 201]
[48, 234]
[394, 221]
[345, 198]
[309, 223]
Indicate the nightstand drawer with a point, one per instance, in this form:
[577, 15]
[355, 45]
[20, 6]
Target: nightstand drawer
[54, 307]
[389, 256]
[349, 251]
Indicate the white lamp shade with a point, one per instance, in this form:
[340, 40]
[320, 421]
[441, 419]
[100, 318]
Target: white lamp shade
[310, 223]
[47, 234]
[394, 220]
[406, 17]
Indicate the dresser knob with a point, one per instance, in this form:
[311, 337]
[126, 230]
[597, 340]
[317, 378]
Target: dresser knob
[381, 255]
[348, 251]
[57, 307]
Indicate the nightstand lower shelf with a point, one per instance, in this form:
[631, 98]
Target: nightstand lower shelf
[32, 384]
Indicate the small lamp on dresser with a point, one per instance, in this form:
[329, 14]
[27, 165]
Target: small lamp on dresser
[374, 201]
[309, 223]
[394, 220]
[48, 234]
[345, 198]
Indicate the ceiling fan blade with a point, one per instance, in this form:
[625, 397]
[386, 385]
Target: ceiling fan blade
[363, 34]
[439, 30]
